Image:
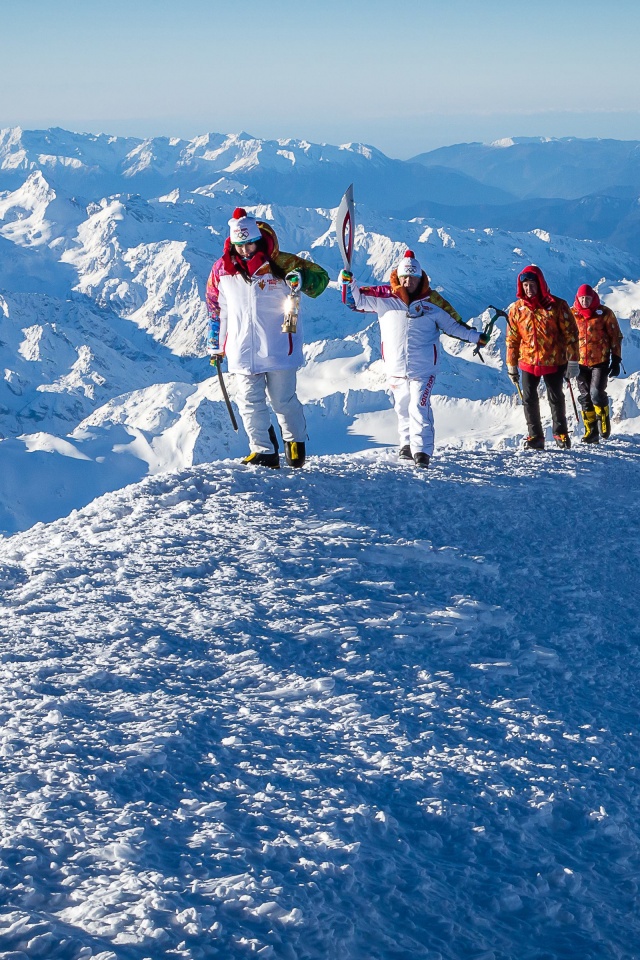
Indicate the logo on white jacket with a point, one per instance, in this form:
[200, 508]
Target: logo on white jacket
[418, 308]
[426, 393]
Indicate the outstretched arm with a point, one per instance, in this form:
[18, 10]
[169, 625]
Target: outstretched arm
[446, 323]
[217, 310]
[367, 299]
[314, 277]
[439, 301]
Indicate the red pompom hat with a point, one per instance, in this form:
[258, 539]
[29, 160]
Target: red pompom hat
[409, 266]
[243, 228]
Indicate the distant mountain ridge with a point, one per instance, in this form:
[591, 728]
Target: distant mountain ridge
[601, 218]
[565, 168]
[278, 169]
[587, 189]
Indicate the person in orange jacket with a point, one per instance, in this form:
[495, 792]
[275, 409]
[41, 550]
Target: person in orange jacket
[542, 343]
[600, 358]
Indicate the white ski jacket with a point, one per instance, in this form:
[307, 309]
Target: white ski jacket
[247, 306]
[251, 315]
[409, 333]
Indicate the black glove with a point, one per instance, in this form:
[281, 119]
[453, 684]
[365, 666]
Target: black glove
[614, 366]
[483, 341]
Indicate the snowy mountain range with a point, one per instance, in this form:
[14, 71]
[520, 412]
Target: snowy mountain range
[105, 247]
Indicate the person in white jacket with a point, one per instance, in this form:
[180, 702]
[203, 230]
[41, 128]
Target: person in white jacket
[412, 316]
[250, 320]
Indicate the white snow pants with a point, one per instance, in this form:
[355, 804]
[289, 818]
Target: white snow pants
[251, 395]
[412, 403]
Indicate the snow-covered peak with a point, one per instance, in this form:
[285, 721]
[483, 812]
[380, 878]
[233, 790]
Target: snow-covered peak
[333, 712]
[34, 192]
[515, 141]
[225, 185]
[34, 215]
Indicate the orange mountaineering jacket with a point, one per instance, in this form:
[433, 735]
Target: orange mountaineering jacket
[542, 337]
[599, 335]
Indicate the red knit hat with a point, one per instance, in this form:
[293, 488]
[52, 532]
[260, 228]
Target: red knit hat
[586, 291]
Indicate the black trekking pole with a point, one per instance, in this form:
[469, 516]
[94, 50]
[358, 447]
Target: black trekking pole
[488, 330]
[217, 361]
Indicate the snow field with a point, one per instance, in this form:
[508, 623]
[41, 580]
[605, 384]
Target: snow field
[352, 711]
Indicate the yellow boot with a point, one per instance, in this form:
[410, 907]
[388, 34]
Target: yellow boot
[591, 435]
[602, 414]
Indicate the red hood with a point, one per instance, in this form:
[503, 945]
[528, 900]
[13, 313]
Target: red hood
[544, 297]
[586, 291]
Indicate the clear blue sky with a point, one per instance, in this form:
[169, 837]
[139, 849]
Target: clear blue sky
[405, 77]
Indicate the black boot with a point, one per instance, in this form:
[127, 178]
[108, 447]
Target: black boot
[563, 440]
[295, 452]
[263, 460]
[404, 453]
[535, 438]
[421, 460]
[274, 439]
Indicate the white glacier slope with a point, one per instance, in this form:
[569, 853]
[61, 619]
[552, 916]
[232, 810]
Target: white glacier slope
[354, 711]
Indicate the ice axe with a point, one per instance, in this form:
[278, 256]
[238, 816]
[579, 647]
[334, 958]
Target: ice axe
[488, 330]
[497, 312]
[345, 224]
[518, 388]
[217, 362]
